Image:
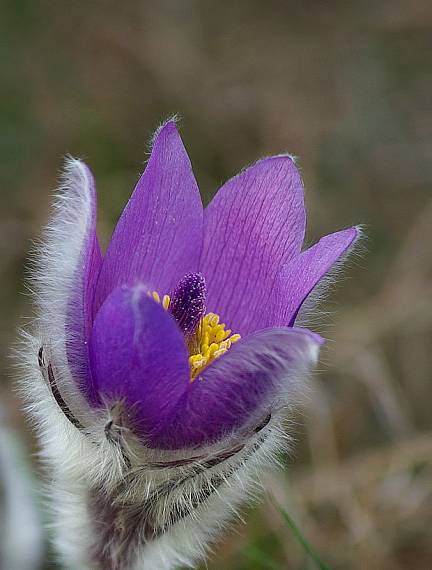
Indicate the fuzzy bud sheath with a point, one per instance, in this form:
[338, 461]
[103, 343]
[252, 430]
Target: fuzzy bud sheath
[159, 374]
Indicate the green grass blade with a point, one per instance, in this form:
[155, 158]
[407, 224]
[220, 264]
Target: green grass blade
[308, 548]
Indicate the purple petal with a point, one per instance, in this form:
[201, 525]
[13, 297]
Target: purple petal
[301, 275]
[81, 194]
[254, 225]
[239, 389]
[138, 355]
[158, 238]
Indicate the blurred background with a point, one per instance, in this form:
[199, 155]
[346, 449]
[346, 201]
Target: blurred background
[345, 86]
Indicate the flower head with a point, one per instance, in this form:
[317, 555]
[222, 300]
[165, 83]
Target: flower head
[189, 317]
[159, 373]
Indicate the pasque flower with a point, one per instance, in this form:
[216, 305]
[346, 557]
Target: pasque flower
[178, 345]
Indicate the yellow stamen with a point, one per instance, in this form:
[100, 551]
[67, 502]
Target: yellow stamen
[214, 320]
[220, 335]
[209, 341]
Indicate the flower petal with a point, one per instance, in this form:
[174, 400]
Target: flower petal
[79, 311]
[67, 268]
[298, 278]
[254, 225]
[263, 371]
[158, 238]
[138, 355]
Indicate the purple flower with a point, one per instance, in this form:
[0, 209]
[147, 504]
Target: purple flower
[189, 317]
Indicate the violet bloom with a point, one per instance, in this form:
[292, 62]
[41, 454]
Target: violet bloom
[239, 261]
[179, 345]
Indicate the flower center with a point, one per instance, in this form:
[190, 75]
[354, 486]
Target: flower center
[206, 337]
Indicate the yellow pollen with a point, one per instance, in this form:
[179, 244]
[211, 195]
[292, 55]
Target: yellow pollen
[210, 340]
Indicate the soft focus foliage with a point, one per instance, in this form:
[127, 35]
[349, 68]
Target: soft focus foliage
[346, 87]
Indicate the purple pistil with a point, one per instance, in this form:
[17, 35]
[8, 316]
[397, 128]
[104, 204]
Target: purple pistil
[187, 304]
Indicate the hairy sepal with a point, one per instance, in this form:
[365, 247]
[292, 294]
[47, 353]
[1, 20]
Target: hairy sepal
[58, 273]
